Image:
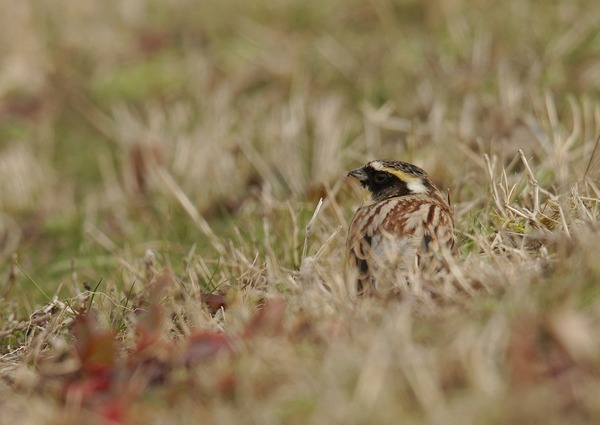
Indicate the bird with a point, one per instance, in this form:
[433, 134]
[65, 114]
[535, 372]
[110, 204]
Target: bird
[403, 219]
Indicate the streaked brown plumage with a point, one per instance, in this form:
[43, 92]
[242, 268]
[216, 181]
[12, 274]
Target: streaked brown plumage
[404, 216]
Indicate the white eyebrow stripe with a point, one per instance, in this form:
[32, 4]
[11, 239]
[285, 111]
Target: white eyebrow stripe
[416, 186]
[377, 165]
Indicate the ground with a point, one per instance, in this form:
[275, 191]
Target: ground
[163, 258]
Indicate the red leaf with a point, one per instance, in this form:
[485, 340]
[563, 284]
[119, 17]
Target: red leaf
[113, 410]
[95, 347]
[204, 345]
[86, 388]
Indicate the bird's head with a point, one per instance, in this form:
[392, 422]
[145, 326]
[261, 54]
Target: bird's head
[384, 179]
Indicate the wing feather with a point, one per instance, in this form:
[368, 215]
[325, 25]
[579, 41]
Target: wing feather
[391, 234]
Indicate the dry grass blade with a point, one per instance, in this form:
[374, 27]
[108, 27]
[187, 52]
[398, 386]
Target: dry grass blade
[534, 183]
[189, 208]
[309, 226]
[592, 170]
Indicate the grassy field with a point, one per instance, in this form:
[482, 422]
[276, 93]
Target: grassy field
[160, 163]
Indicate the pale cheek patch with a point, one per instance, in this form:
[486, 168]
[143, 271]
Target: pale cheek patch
[416, 187]
[367, 196]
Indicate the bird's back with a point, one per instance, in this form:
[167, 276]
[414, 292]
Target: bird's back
[385, 237]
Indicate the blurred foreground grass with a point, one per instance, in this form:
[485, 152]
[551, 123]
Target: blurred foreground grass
[158, 166]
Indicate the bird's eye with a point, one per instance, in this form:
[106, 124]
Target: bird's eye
[381, 178]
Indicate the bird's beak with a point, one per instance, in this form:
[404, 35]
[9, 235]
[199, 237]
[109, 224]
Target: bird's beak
[359, 174]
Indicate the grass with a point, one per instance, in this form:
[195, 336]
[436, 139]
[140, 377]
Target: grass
[160, 164]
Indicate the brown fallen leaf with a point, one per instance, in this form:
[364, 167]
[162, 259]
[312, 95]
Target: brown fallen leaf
[202, 345]
[214, 302]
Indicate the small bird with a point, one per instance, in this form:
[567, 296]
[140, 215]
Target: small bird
[404, 217]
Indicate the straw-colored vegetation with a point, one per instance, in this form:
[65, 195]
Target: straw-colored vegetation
[160, 163]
